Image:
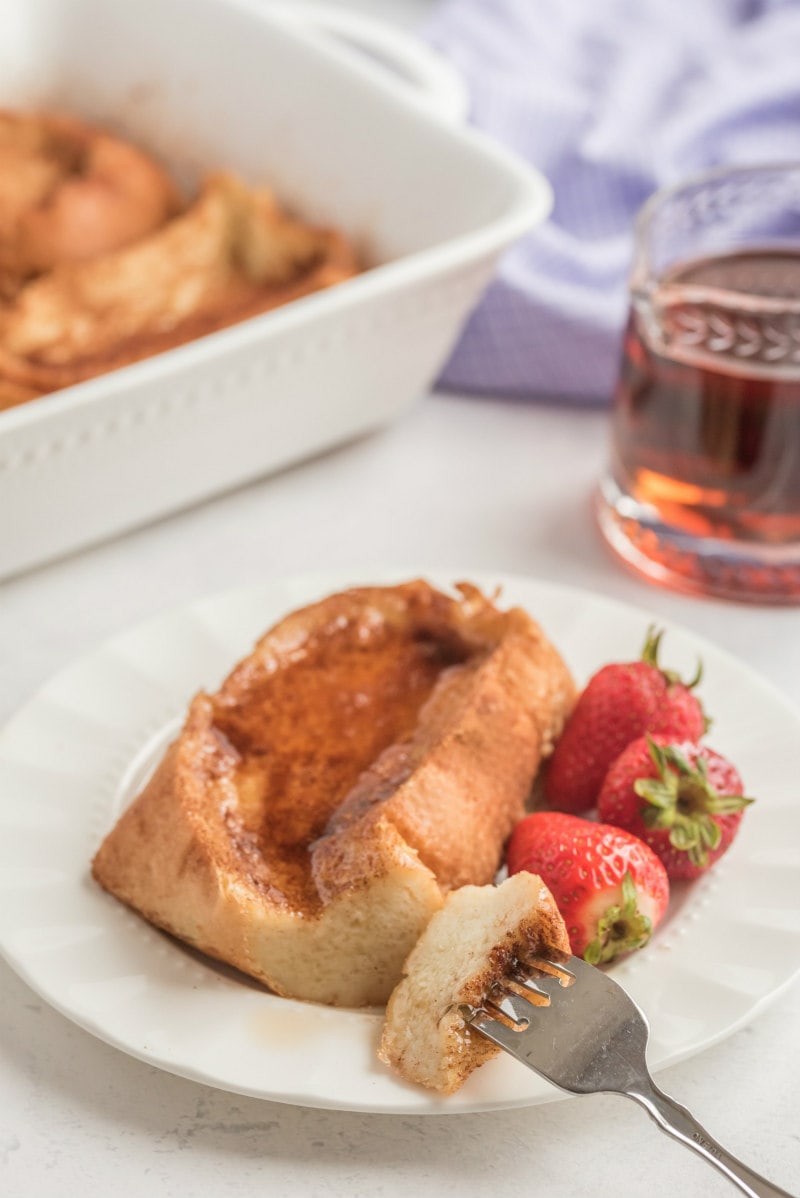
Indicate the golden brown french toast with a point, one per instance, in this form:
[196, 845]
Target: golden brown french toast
[372, 753]
[70, 191]
[232, 254]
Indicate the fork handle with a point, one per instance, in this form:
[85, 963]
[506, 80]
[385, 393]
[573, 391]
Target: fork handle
[676, 1121]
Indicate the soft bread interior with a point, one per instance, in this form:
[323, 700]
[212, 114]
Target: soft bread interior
[467, 946]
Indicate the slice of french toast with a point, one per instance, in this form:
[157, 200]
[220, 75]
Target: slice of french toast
[473, 942]
[371, 754]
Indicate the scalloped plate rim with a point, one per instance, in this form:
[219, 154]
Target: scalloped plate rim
[369, 1088]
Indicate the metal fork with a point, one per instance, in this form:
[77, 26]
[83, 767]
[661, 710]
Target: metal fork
[577, 1027]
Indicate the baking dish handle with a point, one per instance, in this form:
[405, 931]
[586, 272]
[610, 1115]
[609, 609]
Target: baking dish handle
[425, 77]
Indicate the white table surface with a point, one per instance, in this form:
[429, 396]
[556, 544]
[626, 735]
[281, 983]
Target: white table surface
[458, 484]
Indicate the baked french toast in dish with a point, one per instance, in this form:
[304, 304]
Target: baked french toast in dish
[104, 262]
[369, 756]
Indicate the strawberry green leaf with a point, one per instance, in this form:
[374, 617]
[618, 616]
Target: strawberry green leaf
[622, 929]
[684, 836]
[710, 832]
[658, 794]
[727, 804]
[682, 799]
[672, 755]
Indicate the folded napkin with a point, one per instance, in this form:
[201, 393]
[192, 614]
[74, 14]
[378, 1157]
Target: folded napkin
[611, 99]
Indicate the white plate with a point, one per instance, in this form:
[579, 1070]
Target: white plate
[73, 757]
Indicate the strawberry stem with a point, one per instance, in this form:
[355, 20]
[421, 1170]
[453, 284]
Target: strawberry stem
[652, 645]
[682, 799]
[622, 929]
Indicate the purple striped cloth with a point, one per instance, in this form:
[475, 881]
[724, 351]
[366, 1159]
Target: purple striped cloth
[611, 99]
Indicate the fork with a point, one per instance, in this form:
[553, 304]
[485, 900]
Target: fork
[575, 1026]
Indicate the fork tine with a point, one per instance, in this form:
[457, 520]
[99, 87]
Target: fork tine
[496, 1013]
[556, 969]
[516, 997]
[518, 1008]
[525, 986]
[544, 976]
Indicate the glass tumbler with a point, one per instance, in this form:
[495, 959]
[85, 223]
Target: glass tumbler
[702, 492]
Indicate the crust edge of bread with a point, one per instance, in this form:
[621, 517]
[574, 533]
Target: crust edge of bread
[162, 860]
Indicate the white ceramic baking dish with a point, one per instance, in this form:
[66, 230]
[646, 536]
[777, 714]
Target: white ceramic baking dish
[216, 83]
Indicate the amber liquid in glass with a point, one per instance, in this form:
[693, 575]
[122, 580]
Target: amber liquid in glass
[707, 421]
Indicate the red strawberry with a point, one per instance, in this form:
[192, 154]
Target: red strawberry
[621, 702]
[684, 800]
[611, 889]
